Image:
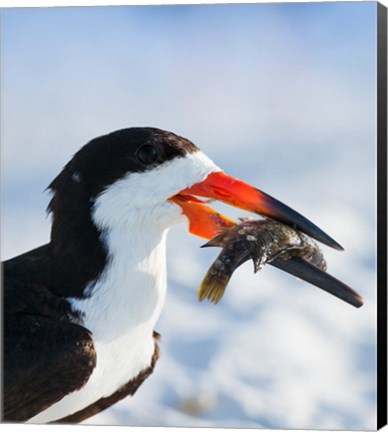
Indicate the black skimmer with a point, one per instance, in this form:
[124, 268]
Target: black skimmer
[80, 311]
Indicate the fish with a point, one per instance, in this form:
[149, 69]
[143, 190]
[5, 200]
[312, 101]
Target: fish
[267, 241]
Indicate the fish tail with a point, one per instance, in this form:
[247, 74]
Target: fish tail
[214, 284]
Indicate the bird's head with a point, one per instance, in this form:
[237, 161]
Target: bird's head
[156, 177]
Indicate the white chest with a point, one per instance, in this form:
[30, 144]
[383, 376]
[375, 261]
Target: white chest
[121, 313]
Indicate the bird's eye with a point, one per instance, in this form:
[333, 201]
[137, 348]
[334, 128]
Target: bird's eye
[147, 154]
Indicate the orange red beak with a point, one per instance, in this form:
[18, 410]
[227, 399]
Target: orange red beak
[206, 222]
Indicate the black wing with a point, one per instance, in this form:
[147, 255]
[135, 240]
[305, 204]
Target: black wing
[45, 356]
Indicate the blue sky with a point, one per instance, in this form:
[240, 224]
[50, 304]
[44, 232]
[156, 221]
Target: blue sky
[184, 68]
[280, 95]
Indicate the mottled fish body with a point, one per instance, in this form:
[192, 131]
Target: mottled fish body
[270, 242]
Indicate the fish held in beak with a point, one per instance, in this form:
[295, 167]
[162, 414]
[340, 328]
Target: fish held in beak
[206, 223]
[270, 242]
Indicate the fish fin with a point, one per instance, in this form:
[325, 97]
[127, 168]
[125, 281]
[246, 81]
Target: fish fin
[213, 285]
[216, 241]
[310, 273]
[258, 262]
[259, 258]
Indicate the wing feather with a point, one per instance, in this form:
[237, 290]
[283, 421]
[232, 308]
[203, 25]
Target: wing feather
[46, 354]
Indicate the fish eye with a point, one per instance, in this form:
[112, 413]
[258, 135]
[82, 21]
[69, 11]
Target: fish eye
[147, 154]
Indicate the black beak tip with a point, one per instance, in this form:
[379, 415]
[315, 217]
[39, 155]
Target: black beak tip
[308, 272]
[281, 212]
[313, 231]
[359, 303]
[332, 243]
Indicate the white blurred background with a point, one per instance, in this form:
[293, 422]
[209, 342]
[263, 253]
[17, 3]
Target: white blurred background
[279, 95]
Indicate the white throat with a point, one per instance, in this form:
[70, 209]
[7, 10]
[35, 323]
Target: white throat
[134, 215]
[131, 290]
[121, 312]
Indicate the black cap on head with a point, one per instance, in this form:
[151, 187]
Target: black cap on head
[110, 157]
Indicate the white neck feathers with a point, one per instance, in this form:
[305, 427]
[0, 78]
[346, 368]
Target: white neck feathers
[131, 290]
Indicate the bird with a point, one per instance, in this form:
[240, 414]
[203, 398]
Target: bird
[80, 311]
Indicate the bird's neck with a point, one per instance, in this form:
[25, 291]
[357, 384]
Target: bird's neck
[129, 294]
[77, 253]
